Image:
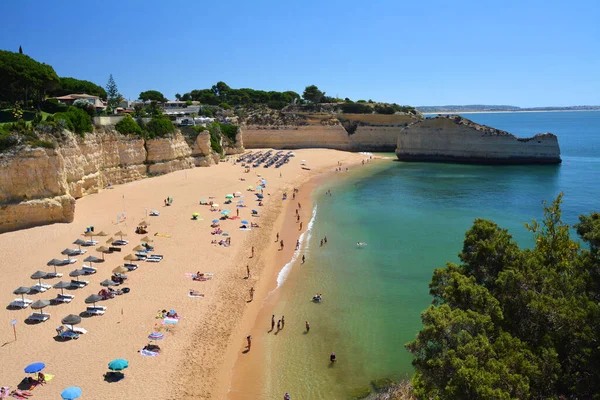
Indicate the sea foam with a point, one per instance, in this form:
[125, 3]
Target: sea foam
[287, 268]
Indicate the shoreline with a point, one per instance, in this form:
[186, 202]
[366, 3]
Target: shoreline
[249, 370]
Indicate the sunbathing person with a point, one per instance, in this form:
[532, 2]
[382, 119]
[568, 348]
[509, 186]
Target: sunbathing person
[252, 224]
[152, 347]
[41, 378]
[195, 293]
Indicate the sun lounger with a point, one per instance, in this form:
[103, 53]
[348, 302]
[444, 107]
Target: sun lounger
[114, 249]
[154, 259]
[88, 269]
[68, 261]
[69, 335]
[90, 243]
[141, 256]
[54, 275]
[76, 329]
[79, 284]
[64, 298]
[41, 317]
[120, 242]
[40, 288]
[99, 310]
[19, 303]
[131, 267]
[77, 252]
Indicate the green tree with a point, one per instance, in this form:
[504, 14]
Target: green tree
[113, 95]
[71, 85]
[128, 126]
[313, 94]
[20, 50]
[153, 95]
[511, 323]
[177, 96]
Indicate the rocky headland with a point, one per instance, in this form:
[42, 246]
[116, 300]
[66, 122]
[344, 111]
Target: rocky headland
[457, 139]
[39, 185]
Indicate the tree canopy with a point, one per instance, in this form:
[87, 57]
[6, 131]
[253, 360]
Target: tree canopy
[313, 94]
[112, 92]
[71, 85]
[152, 95]
[511, 323]
[22, 79]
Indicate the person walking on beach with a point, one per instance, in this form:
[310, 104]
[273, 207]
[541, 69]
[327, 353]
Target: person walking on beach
[277, 239]
[297, 218]
[273, 322]
[252, 293]
[307, 327]
[321, 242]
[303, 258]
[278, 325]
[249, 340]
[297, 244]
[287, 396]
[332, 357]
[252, 256]
[281, 245]
[325, 239]
[299, 206]
[300, 225]
[282, 321]
[247, 271]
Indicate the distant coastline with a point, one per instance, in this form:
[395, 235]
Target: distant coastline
[478, 108]
[501, 111]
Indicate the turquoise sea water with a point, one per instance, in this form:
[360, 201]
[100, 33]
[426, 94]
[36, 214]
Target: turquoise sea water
[413, 217]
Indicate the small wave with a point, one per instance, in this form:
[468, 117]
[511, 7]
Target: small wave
[287, 268]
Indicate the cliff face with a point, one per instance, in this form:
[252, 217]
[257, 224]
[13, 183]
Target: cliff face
[456, 139]
[39, 186]
[349, 132]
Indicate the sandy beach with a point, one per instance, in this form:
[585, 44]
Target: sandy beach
[200, 352]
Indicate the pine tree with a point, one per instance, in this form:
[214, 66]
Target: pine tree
[113, 95]
[20, 50]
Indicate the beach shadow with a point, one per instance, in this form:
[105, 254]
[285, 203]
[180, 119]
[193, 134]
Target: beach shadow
[5, 343]
[30, 322]
[112, 377]
[331, 364]
[305, 332]
[24, 385]
[248, 301]
[13, 308]
[84, 314]
[245, 351]
[270, 330]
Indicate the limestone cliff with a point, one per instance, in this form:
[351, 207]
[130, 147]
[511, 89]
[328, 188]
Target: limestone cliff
[39, 185]
[350, 132]
[457, 139]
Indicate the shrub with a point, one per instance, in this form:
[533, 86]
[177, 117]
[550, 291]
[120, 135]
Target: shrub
[356, 108]
[384, 109]
[76, 120]
[52, 106]
[206, 112]
[225, 106]
[7, 141]
[229, 131]
[159, 127]
[128, 126]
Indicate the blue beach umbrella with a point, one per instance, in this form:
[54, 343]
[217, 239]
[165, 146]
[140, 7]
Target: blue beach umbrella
[244, 222]
[225, 212]
[260, 196]
[118, 365]
[215, 221]
[241, 202]
[35, 367]
[71, 393]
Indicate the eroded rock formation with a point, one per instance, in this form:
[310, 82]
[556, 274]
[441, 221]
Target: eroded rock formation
[457, 139]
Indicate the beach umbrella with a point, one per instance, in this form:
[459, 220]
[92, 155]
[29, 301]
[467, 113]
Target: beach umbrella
[215, 221]
[156, 336]
[215, 205]
[120, 270]
[195, 214]
[34, 368]
[118, 365]
[107, 283]
[202, 201]
[238, 193]
[120, 234]
[76, 273]
[130, 257]
[62, 285]
[89, 234]
[240, 201]
[143, 223]
[92, 259]
[244, 222]
[102, 233]
[54, 262]
[79, 242]
[110, 240]
[229, 196]
[39, 304]
[92, 299]
[66, 252]
[103, 249]
[139, 248]
[39, 275]
[250, 187]
[71, 393]
[71, 319]
[23, 290]
[225, 212]
[146, 239]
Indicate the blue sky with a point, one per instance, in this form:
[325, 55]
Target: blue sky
[525, 53]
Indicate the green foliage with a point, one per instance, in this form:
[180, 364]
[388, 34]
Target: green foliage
[52, 106]
[159, 127]
[511, 323]
[384, 109]
[225, 106]
[22, 79]
[112, 93]
[589, 229]
[77, 86]
[128, 126]
[229, 131]
[313, 94]
[206, 112]
[76, 120]
[356, 108]
[153, 95]
[222, 93]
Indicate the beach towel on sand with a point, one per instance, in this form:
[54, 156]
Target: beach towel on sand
[191, 275]
[194, 296]
[162, 235]
[148, 353]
